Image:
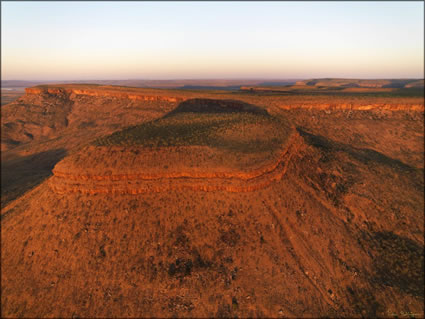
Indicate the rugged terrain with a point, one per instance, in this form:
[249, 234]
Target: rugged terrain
[203, 144]
[403, 87]
[211, 204]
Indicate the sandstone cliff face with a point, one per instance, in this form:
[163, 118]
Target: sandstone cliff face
[341, 234]
[292, 102]
[46, 113]
[68, 178]
[102, 93]
[333, 226]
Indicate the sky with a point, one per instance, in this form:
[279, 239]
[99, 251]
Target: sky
[207, 40]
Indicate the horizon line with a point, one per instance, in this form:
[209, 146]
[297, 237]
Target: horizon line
[225, 79]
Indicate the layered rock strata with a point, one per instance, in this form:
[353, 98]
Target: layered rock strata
[141, 182]
[283, 102]
[131, 95]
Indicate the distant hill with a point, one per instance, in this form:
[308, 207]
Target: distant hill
[359, 83]
[16, 83]
[185, 84]
[234, 84]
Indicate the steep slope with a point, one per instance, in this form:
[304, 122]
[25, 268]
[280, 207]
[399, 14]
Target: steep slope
[322, 213]
[44, 125]
[46, 111]
[324, 240]
[203, 144]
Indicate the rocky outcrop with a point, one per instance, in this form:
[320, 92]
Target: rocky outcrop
[173, 96]
[49, 112]
[120, 94]
[142, 182]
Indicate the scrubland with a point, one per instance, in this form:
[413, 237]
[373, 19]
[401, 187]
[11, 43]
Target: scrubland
[332, 228]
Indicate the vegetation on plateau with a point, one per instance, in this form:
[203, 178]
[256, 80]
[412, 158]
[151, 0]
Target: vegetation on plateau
[215, 129]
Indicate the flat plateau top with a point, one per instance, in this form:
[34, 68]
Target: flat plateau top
[186, 140]
[266, 97]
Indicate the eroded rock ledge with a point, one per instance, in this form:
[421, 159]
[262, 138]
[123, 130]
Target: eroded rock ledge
[282, 102]
[142, 182]
[131, 95]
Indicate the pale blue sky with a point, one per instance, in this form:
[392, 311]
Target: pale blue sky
[175, 40]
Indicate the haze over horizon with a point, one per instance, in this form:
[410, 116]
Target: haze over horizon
[67, 41]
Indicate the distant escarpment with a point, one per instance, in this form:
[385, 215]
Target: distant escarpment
[68, 113]
[357, 83]
[100, 91]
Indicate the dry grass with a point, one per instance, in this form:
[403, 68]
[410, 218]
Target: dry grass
[340, 236]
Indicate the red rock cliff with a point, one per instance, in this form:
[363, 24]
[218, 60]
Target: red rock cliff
[140, 96]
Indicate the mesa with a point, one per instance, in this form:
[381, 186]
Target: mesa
[203, 144]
